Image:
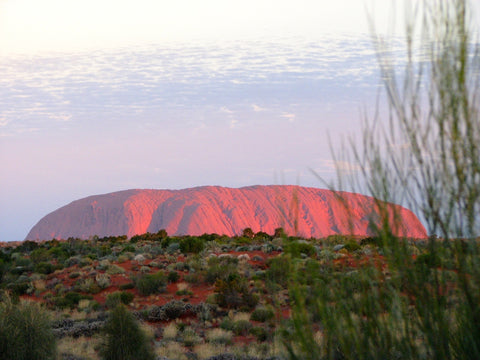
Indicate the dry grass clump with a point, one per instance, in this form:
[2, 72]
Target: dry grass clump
[219, 336]
[171, 351]
[207, 350]
[170, 331]
[80, 347]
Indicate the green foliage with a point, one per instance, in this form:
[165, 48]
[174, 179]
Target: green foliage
[259, 332]
[127, 286]
[118, 297]
[159, 236]
[241, 327]
[45, 268]
[40, 255]
[124, 339]
[279, 270]
[70, 300]
[151, 283]
[352, 245]
[425, 155]
[220, 268]
[262, 314]
[296, 249]
[173, 277]
[191, 244]
[233, 292]
[25, 332]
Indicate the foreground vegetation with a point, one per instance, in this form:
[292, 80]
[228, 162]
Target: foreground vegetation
[251, 295]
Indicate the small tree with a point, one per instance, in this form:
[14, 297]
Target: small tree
[124, 339]
[25, 332]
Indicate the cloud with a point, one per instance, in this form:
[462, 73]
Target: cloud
[226, 110]
[61, 117]
[289, 116]
[234, 123]
[257, 108]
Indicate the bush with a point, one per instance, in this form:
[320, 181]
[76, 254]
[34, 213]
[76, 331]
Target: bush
[279, 270]
[220, 268]
[241, 327]
[127, 286]
[191, 244]
[151, 283]
[116, 298]
[259, 332]
[124, 339]
[25, 332]
[296, 249]
[173, 277]
[352, 245]
[262, 314]
[44, 268]
[233, 293]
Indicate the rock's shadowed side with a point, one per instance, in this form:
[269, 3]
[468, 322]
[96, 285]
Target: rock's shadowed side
[303, 211]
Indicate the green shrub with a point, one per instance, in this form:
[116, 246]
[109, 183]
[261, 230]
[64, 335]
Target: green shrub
[191, 244]
[220, 268]
[227, 324]
[352, 245]
[127, 286]
[25, 332]
[233, 293]
[262, 314]
[296, 249]
[124, 339]
[151, 283]
[193, 278]
[241, 327]
[173, 277]
[70, 300]
[117, 298]
[44, 268]
[259, 332]
[279, 270]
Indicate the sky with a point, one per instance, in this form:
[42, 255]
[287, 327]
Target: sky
[98, 96]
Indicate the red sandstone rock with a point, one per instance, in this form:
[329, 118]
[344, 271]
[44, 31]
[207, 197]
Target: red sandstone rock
[303, 211]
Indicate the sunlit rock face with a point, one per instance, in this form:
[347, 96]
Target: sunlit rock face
[302, 211]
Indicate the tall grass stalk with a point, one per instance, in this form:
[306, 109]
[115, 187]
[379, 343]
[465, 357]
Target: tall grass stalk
[426, 156]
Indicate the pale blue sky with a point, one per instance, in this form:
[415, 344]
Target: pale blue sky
[100, 96]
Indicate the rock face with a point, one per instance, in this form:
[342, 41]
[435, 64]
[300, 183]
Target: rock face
[304, 211]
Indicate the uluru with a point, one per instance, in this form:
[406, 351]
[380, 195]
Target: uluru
[302, 211]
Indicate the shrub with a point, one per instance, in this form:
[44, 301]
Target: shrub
[44, 268]
[70, 299]
[174, 309]
[352, 245]
[219, 336]
[220, 268]
[191, 244]
[262, 314]
[296, 249]
[127, 286]
[115, 269]
[172, 277]
[151, 283]
[25, 332]
[233, 292]
[241, 327]
[124, 339]
[103, 280]
[259, 332]
[116, 298]
[279, 270]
